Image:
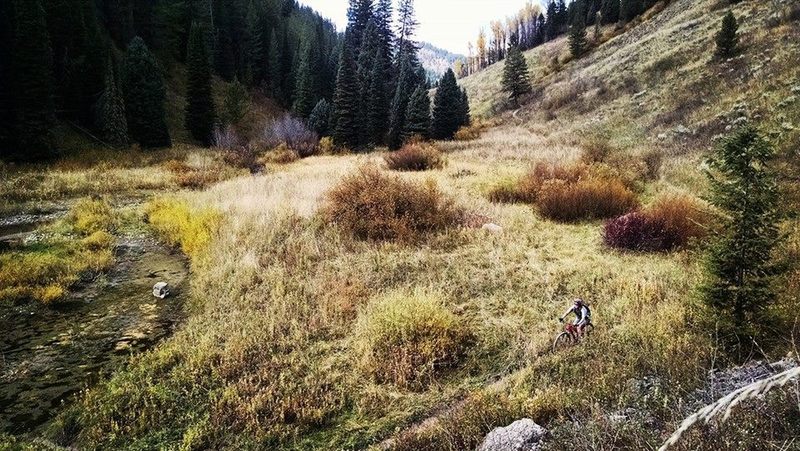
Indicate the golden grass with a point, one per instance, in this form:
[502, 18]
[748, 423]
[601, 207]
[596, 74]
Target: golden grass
[270, 358]
[78, 246]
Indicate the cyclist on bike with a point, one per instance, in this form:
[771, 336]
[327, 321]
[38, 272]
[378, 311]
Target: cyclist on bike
[583, 316]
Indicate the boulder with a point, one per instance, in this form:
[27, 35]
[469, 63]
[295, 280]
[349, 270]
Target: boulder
[521, 435]
[161, 290]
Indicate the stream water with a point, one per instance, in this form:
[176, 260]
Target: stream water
[47, 354]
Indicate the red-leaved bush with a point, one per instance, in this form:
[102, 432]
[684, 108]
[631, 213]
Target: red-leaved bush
[670, 223]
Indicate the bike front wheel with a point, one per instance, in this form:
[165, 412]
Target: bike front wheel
[563, 340]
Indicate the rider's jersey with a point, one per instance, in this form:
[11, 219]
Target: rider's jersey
[582, 314]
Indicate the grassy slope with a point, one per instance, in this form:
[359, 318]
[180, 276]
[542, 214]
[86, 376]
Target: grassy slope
[268, 358]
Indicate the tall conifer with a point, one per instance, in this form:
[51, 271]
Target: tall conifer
[111, 119]
[399, 107]
[418, 115]
[32, 81]
[727, 38]
[143, 88]
[200, 111]
[346, 99]
[447, 117]
[516, 79]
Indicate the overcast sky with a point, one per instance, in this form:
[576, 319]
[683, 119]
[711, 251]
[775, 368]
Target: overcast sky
[448, 24]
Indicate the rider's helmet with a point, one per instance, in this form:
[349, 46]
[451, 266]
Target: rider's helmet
[579, 302]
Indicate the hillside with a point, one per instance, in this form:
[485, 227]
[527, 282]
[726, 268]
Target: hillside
[436, 61]
[301, 334]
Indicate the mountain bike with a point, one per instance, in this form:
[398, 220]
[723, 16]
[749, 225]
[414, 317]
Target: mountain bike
[570, 336]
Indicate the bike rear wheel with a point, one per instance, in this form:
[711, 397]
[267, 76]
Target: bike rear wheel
[563, 340]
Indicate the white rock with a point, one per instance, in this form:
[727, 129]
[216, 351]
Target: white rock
[682, 130]
[639, 94]
[161, 290]
[521, 435]
[492, 228]
[662, 136]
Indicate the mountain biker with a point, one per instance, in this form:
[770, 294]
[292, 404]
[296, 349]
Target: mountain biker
[583, 316]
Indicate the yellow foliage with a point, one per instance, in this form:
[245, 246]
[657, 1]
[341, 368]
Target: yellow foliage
[180, 225]
[98, 240]
[405, 337]
[88, 216]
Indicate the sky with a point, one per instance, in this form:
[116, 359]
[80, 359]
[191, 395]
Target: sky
[448, 24]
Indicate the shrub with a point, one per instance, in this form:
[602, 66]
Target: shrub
[372, 205]
[634, 231]
[98, 240]
[294, 133]
[470, 132]
[88, 216]
[653, 160]
[226, 138]
[409, 338]
[596, 150]
[281, 155]
[178, 224]
[326, 146]
[415, 157]
[590, 198]
[670, 223]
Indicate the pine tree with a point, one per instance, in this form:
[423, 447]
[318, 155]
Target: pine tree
[446, 108]
[552, 25]
[629, 9]
[610, 11]
[320, 118]
[727, 38]
[275, 66]
[6, 80]
[31, 65]
[577, 37]
[418, 115]
[377, 108]
[359, 14]
[516, 79]
[200, 111]
[370, 46]
[111, 119]
[399, 106]
[143, 88]
[739, 268]
[256, 50]
[407, 47]
[306, 93]
[463, 109]
[346, 99]
[235, 103]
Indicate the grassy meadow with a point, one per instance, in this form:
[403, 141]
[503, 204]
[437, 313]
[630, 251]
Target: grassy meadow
[304, 335]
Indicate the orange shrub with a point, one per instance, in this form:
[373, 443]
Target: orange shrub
[375, 206]
[590, 198]
[415, 157]
[684, 217]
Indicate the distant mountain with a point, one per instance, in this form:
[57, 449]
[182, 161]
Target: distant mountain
[436, 61]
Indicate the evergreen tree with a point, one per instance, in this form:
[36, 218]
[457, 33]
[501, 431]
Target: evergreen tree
[516, 79]
[143, 88]
[370, 46]
[552, 24]
[235, 103]
[447, 117]
[383, 22]
[463, 110]
[306, 92]
[377, 108]
[407, 47]
[346, 99]
[6, 80]
[275, 66]
[111, 119]
[256, 50]
[577, 37]
[320, 118]
[359, 14]
[629, 9]
[610, 11]
[200, 111]
[32, 81]
[399, 106]
[728, 38]
[744, 188]
[418, 115]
